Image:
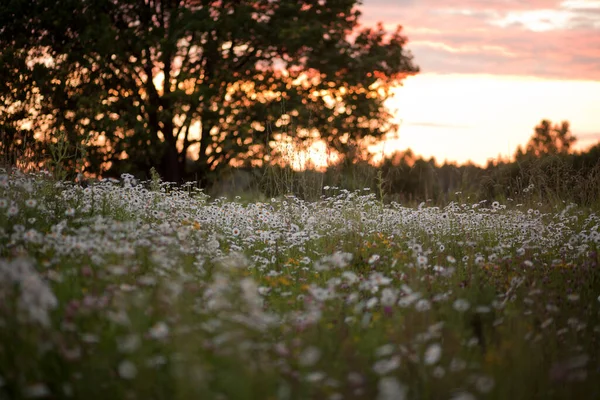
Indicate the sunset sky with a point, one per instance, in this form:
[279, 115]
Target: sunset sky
[490, 71]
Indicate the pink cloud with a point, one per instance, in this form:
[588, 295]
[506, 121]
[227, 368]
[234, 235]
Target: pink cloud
[544, 38]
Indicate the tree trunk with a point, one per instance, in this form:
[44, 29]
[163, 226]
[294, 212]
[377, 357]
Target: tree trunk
[202, 168]
[170, 165]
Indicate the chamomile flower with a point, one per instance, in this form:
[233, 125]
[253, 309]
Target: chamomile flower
[390, 388]
[36, 391]
[159, 331]
[309, 356]
[373, 259]
[432, 355]
[31, 203]
[127, 370]
[484, 384]
[386, 365]
[423, 305]
[461, 305]
[12, 211]
[462, 395]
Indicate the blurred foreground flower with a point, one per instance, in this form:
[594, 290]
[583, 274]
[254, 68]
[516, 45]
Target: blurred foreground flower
[34, 298]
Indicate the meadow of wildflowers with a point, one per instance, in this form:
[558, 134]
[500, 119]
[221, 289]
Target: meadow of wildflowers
[128, 289]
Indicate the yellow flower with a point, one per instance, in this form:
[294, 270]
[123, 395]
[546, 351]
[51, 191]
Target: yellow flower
[284, 281]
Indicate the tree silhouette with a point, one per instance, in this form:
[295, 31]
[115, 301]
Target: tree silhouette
[150, 83]
[548, 140]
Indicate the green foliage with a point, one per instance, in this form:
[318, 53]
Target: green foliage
[147, 84]
[160, 294]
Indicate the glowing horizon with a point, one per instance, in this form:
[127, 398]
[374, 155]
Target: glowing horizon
[491, 71]
[462, 118]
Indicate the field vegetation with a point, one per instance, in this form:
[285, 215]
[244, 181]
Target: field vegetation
[124, 289]
[249, 279]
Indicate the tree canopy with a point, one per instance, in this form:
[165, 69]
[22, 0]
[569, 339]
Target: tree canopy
[190, 86]
[548, 140]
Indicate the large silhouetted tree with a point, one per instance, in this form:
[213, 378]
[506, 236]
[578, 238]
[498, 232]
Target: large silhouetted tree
[147, 83]
[548, 140]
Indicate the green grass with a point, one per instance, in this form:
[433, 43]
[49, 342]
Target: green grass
[124, 290]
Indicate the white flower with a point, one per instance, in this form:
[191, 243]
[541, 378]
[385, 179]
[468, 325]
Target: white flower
[461, 305]
[234, 260]
[573, 297]
[12, 211]
[422, 305]
[389, 388]
[89, 338]
[36, 391]
[379, 279]
[156, 361]
[432, 354]
[127, 370]
[407, 300]
[309, 356]
[319, 293]
[129, 343]
[388, 297]
[350, 277]
[462, 395]
[385, 366]
[263, 290]
[213, 244]
[374, 258]
[385, 350]
[438, 372]
[315, 376]
[552, 308]
[355, 379]
[484, 384]
[339, 259]
[483, 309]
[159, 331]
[457, 365]
[546, 323]
[250, 293]
[36, 297]
[372, 302]
[31, 203]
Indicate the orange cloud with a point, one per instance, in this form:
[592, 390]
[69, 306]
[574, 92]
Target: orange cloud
[541, 38]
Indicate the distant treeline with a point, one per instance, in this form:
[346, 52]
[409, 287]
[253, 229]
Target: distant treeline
[545, 169]
[408, 179]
